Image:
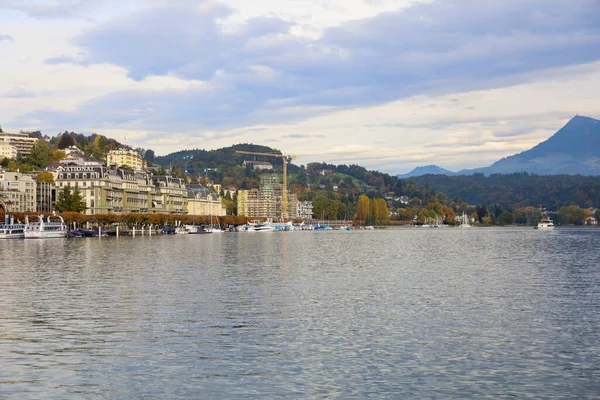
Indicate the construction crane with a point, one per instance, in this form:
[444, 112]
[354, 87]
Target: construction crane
[286, 160]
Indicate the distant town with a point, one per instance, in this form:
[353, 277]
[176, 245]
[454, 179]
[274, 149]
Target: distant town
[97, 176]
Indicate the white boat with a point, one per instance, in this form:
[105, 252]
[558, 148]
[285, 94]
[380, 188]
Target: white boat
[45, 229]
[465, 221]
[12, 231]
[546, 223]
[258, 226]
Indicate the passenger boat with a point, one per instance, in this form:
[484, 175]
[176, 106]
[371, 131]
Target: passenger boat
[546, 223]
[12, 231]
[45, 229]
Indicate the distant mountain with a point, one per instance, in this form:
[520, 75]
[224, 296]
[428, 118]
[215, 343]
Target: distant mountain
[573, 150]
[428, 169]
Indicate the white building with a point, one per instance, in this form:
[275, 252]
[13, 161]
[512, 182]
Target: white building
[21, 141]
[18, 191]
[305, 210]
[7, 150]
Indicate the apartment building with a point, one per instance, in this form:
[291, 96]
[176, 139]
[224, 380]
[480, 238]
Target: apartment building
[21, 141]
[126, 156]
[18, 191]
[7, 150]
[122, 191]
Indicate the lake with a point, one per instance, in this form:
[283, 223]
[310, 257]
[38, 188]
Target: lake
[404, 313]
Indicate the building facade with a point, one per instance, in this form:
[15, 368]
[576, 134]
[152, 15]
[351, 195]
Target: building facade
[260, 165]
[7, 150]
[202, 201]
[267, 201]
[305, 210]
[45, 196]
[18, 191]
[126, 156]
[21, 141]
[122, 191]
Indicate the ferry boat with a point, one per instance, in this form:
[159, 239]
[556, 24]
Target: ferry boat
[45, 229]
[12, 231]
[546, 223]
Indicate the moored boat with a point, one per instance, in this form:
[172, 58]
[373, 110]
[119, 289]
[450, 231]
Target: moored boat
[45, 229]
[12, 231]
[258, 226]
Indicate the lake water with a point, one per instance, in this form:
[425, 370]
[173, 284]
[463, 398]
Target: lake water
[408, 313]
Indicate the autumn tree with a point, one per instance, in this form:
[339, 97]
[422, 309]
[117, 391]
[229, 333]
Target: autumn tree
[363, 207]
[45, 176]
[380, 211]
[58, 155]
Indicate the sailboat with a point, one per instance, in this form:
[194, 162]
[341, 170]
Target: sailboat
[465, 221]
[214, 229]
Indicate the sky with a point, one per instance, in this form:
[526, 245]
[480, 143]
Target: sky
[386, 84]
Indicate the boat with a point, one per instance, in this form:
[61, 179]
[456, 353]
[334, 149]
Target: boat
[197, 229]
[45, 229]
[465, 221]
[12, 231]
[215, 228]
[545, 223]
[258, 226]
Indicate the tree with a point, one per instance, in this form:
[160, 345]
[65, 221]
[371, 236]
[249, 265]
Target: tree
[505, 218]
[363, 207]
[45, 176]
[58, 155]
[69, 201]
[149, 156]
[66, 140]
[41, 155]
[325, 208]
[380, 211]
[481, 212]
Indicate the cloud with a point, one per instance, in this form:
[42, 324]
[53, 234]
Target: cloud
[17, 92]
[258, 67]
[7, 38]
[50, 10]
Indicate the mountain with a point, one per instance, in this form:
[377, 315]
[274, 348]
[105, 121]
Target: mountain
[573, 150]
[428, 169]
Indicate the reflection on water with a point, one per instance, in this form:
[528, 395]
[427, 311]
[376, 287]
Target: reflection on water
[386, 314]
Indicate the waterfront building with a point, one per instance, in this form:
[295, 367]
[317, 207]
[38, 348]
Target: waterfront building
[203, 201]
[45, 196]
[7, 150]
[267, 201]
[18, 191]
[21, 141]
[305, 210]
[126, 156]
[122, 191]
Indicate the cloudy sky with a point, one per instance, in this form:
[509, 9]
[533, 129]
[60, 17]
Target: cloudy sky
[388, 84]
